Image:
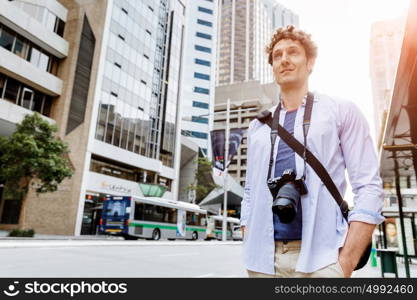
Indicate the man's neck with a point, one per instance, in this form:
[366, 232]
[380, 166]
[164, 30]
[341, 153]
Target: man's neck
[292, 98]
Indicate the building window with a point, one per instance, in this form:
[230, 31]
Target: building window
[164, 181]
[203, 35]
[17, 93]
[202, 49]
[25, 49]
[199, 120]
[6, 39]
[196, 134]
[205, 10]
[201, 90]
[205, 23]
[201, 76]
[11, 91]
[59, 27]
[202, 62]
[200, 104]
[113, 170]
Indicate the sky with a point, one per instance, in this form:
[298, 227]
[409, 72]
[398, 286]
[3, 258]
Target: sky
[341, 30]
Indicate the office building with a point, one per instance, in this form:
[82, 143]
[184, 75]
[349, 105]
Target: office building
[115, 101]
[245, 28]
[197, 97]
[385, 49]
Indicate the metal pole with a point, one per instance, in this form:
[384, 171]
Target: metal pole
[226, 155]
[400, 208]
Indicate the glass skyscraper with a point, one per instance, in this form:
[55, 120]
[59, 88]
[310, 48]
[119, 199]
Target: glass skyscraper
[139, 92]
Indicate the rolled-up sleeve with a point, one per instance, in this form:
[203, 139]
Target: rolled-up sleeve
[362, 166]
[245, 204]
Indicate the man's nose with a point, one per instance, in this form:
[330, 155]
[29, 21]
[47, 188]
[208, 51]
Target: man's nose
[284, 58]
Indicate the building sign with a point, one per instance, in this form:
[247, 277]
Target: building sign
[99, 183]
[115, 188]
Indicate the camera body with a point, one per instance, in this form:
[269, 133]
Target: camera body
[286, 191]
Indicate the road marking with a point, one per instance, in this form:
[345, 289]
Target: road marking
[179, 254]
[205, 275]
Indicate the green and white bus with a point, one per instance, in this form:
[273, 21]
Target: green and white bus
[153, 218]
[215, 227]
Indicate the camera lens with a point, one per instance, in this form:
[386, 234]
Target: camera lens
[285, 203]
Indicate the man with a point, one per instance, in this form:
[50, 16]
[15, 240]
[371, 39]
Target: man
[318, 242]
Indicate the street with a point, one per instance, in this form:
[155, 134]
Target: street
[122, 259]
[119, 258]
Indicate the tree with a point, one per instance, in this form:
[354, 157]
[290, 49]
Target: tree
[33, 156]
[204, 179]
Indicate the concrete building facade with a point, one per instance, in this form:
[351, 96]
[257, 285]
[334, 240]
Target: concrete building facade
[115, 101]
[247, 100]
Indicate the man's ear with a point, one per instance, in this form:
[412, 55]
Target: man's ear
[310, 65]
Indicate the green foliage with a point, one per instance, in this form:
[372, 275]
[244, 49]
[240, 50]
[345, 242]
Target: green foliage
[33, 152]
[22, 233]
[205, 183]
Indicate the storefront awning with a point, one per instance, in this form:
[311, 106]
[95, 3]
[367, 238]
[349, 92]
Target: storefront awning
[234, 195]
[400, 135]
[152, 190]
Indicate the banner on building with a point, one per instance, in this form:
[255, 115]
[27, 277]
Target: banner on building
[218, 146]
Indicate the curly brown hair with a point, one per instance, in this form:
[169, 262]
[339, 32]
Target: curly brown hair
[290, 32]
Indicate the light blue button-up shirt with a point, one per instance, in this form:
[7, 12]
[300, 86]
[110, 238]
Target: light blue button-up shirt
[339, 138]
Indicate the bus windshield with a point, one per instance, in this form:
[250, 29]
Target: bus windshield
[115, 214]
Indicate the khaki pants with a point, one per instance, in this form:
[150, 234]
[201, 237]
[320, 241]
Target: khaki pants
[286, 256]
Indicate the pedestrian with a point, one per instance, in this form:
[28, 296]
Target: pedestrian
[295, 227]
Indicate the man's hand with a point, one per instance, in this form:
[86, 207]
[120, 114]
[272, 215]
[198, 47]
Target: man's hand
[358, 238]
[243, 231]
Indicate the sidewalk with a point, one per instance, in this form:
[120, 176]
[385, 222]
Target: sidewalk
[4, 236]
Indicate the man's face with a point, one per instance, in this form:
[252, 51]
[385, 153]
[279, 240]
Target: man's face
[290, 64]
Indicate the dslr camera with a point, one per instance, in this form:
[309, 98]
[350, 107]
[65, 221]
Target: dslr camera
[286, 192]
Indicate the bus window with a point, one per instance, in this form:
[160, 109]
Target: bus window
[170, 215]
[139, 210]
[191, 218]
[203, 220]
[149, 212]
[218, 224]
[196, 219]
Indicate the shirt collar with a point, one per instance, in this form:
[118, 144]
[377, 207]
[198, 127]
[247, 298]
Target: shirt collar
[302, 104]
